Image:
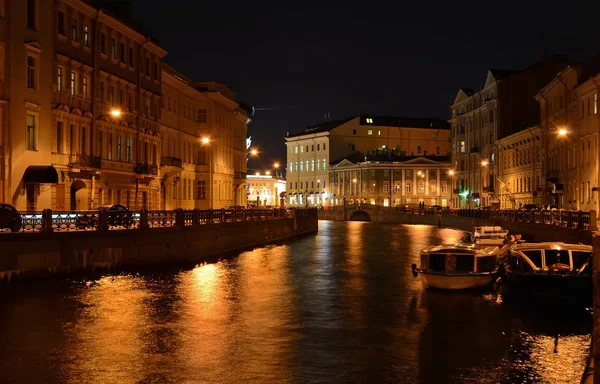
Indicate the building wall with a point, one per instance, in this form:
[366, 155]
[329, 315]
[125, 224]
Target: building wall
[520, 169]
[307, 169]
[264, 190]
[195, 174]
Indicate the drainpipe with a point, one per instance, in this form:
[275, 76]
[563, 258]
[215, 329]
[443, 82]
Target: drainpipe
[544, 134]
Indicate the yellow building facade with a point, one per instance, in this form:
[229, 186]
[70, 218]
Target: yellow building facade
[203, 144]
[265, 190]
[310, 151]
[520, 169]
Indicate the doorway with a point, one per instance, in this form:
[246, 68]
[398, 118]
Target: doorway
[78, 195]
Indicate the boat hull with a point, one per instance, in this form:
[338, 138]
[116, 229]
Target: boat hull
[457, 281]
[554, 286]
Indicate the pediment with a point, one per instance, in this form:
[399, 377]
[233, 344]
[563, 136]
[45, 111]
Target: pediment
[422, 161]
[345, 163]
[76, 111]
[33, 46]
[460, 96]
[490, 79]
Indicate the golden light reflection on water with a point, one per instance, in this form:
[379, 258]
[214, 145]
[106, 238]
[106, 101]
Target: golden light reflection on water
[557, 360]
[110, 327]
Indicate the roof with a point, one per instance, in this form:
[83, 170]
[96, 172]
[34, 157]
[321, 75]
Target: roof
[325, 126]
[556, 245]
[475, 249]
[501, 73]
[376, 121]
[388, 156]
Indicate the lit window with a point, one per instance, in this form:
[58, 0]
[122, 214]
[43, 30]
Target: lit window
[31, 143]
[113, 48]
[369, 132]
[59, 79]
[86, 36]
[72, 83]
[74, 30]
[369, 120]
[378, 133]
[462, 147]
[595, 103]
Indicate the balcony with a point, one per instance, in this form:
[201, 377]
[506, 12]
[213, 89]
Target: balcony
[171, 162]
[85, 162]
[72, 101]
[145, 169]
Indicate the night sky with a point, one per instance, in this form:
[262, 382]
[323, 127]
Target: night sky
[351, 58]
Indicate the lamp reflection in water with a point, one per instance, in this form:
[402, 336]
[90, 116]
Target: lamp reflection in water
[111, 323]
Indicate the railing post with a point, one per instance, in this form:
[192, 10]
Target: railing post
[293, 211]
[210, 216]
[593, 224]
[179, 217]
[196, 217]
[144, 218]
[102, 220]
[579, 220]
[47, 220]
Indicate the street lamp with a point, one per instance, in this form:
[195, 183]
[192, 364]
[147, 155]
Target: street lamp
[484, 163]
[253, 152]
[451, 174]
[267, 173]
[115, 112]
[562, 132]
[206, 141]
[276, 165]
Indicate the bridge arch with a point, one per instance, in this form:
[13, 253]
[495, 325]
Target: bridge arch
[359, 216]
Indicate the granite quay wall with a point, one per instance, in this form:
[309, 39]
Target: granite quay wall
[567, 226]
[36, 254]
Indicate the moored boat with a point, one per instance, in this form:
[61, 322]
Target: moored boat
[489, 235]
[553, 270]
[459, 266]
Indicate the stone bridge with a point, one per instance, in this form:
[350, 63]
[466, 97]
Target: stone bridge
[380, 214]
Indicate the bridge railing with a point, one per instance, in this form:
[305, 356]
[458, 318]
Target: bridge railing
[104, 220]
[557, 217]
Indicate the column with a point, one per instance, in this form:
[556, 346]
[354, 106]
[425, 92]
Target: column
[391, 185]
[426, 181]
[415, 186]
[402, 186]
[439, 186]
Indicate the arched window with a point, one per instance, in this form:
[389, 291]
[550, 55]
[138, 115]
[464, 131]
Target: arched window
[433, 186]
[421, 186]
[408, 187]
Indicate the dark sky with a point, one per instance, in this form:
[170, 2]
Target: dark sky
[349, 58]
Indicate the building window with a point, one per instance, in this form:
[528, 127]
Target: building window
[444, 186]
[419, 149]
[491, 116]
[378, 133]
[596, 103]
[301, 166]
[85, 87]
[61, 23]
[302, 149]
[354, 131]
[373, 185]
[59, 79]
[73, 29]
[59, 136]
[31, 72]
[432, 186]
[202, 190]
[100, 144]
[110, 146]
[123, 53]
[119, 148]
[83, 141]
[386, 187]
[31, 143]
[369, 120]
[31, 14]
[318, 147]
[369, 132]
[156, 73]
[462, 147]
[408, 187]
[421, 186]
[131, 57]
[111, 95]
[202, 116]
[72, 83]
[324, 146]
[86, 35]
[129, 142]
[147, 66]
[102, 43]
[324, 164]
[113, 48]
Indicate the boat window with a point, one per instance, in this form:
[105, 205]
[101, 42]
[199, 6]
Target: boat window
[486, 264]
[579, 258]
[554, 256]
[535, 255]
[517, 264]
[465, 263]
[437, 262]
[424, 262]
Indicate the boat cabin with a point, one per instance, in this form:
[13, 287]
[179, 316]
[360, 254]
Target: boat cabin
[492, 235]
[460, 258]
[551, 257]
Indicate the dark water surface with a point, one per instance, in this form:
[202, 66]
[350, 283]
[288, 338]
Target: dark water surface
[338, 307]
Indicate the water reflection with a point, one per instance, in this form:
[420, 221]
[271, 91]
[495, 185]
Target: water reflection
[338, 307]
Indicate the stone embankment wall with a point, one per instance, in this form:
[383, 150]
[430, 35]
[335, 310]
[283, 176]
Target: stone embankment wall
[39, 254]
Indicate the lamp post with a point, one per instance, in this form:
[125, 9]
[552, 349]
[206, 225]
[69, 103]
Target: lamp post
[484, 163]
[451, 174]
[206, 141]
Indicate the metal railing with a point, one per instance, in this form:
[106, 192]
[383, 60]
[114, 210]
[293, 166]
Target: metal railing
[557, 217]
[103, 220]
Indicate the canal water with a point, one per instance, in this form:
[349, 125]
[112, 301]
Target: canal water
[338, 307]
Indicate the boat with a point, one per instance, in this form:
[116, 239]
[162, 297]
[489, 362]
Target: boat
[491, 235]
[459, 266]
[553, 270]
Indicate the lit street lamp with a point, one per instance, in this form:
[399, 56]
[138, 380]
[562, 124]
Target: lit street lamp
[115, 112]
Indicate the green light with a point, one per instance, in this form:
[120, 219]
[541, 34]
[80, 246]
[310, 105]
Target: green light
[464, 193]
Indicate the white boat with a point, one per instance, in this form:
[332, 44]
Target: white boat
[459, 266]
[489, 235]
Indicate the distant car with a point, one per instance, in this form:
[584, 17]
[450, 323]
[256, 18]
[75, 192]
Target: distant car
[436, 208]
[118, 215]
[10, 218]
[529, 207]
